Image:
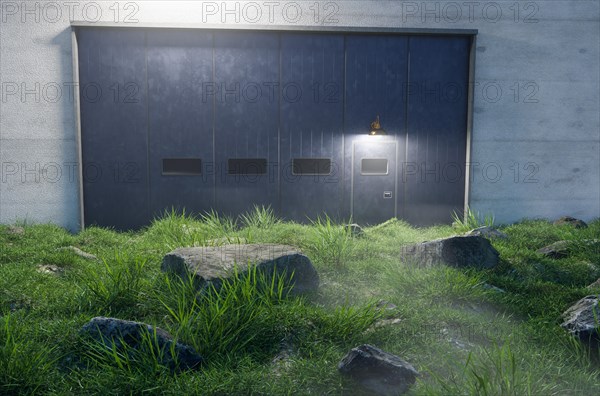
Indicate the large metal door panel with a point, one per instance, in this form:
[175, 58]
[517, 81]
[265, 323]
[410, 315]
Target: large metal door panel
[112, 78]
[437, 125]
[246, 120]
[180, 115]
[312, 87]
[374, 181]
[224, 120]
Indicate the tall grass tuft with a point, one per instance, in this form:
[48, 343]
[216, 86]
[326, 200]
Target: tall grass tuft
[25, 364]
[260, 217]
[331, 243]
[348, 321]
[148, 357]
[494, 372]
[223, 320]
[175, 229]
[116, 286]
[218, 225]
[470, 220]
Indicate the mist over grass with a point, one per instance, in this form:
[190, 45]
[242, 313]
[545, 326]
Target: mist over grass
[463, 336]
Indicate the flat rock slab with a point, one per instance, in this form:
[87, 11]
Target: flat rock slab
[457, 251]
[595, 284]
[487, 232]
[213, 264]
[571, 221]
[126, 333]
[557, 250]
[377, 371]
[583, 318]
[79, 252]
[562, 249]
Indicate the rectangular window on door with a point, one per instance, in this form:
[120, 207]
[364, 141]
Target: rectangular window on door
[311, 166]
[247, 166]
[181, 166]
[374, 166]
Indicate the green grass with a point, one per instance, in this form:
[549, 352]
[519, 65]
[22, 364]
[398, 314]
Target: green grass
[464, 337]
[25, 365]
[259, 217]
[470, 220]
[330, 244]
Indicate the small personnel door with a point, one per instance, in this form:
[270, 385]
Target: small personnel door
[373, 180]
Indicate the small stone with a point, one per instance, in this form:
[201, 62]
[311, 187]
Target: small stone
[557, 250]
[125, 333]
[571, 221]
[79, 252]
[377, 371]
[487, 232]
[387, 322]
[15, 230]
[581, 319]
[50, 269]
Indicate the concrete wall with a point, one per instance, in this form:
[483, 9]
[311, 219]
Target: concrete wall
[536, 119]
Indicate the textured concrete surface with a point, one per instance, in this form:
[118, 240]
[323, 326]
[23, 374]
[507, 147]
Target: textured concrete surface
[213, 264]
[536, 93]
[456, 251]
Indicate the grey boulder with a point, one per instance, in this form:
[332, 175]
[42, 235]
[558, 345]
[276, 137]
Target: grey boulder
[583, 318]
[557, 250]
[456, 251]
[377, 371]
[126, 334]
[571, 221]
[213, 264]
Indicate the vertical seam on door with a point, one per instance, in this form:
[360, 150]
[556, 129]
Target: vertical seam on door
[279, 164]
[216, 169]
[406, 96]
[148, 189]
[344, 82]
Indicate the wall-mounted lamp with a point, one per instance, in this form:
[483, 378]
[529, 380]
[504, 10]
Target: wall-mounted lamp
[376, 129]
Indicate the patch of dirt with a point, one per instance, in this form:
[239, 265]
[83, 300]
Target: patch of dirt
[283, 361]
[19, 304]
[15, 230]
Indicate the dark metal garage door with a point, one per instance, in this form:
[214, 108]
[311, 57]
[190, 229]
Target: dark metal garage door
[220, 119]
